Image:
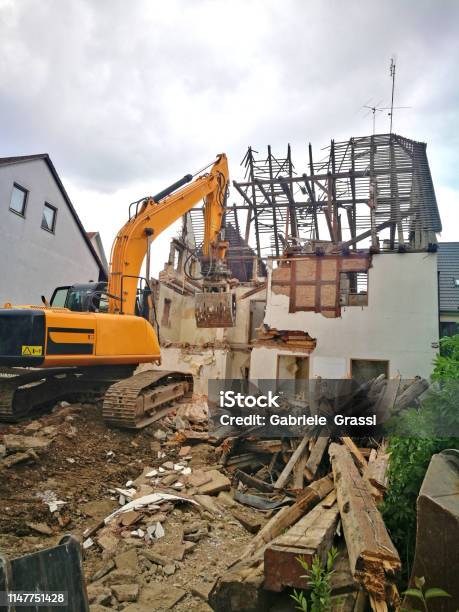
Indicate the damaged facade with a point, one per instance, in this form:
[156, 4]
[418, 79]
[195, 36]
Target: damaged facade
[334, 269]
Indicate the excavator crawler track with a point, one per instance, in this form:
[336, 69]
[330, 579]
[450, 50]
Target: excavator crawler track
[22, 390]
[137, 401]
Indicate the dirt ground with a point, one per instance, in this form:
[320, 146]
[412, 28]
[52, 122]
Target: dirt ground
[83, 464]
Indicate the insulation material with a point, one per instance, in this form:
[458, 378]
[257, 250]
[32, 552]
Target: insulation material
[312, 282]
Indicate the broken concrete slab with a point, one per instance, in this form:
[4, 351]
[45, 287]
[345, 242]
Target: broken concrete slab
[219, 482]
[108, 542]
[169, 480]
[99, 608]
[24, 443]
[33, 427]
[184, 451]
[171, 550]
[161, 596]
[154, 557]
[129, 518]
[17, 458]
[126, 592]
[226, 499]
[99, 509]
[42, 528]
[201, 590]
[120, 576]
[105, 569]
[169, 569]
[251, 523]
[209, 503]
[50, 431]
[127, 560]
[198, 478]
[98, 594]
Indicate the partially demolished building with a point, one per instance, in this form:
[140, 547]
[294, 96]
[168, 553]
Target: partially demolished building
[334, 269]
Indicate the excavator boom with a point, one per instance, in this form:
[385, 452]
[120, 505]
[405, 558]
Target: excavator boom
[155, 214]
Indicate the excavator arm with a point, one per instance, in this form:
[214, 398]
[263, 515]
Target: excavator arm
[155, 214]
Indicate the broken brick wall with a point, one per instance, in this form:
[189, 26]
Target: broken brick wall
[313, 282]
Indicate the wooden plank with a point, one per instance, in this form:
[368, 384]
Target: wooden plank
[253, 482]
[358, 457]
[376, 472]
[311, 535]
[287, 516]
[240, 588]
[315, 457]
[373, 558]
[410, 394]
[298, 470]
[253, 291]
[280, 482]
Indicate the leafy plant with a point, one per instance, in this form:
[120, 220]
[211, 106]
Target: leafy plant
[420, 433]
[423, 595]
[447, 362]
[300, 599]
[319, 581]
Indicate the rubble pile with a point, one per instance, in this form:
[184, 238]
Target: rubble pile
[175, 517]
[323, 490]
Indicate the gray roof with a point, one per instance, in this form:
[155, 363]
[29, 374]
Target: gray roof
[4, 161]
[448, 268]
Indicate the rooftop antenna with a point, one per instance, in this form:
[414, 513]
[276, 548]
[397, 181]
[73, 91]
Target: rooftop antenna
[392, 107]
[374, 109]
[392, 74]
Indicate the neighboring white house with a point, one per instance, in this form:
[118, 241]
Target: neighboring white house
[448, 284]
[390, 328]
[96, 241]
[43, 243]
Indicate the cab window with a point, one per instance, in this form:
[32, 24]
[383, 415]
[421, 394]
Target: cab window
[59, 297]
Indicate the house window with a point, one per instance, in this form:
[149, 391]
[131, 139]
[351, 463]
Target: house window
[448, 328]
[165, 321]
[18, 199]
[48, 220]
[364, 370]
[354, 289]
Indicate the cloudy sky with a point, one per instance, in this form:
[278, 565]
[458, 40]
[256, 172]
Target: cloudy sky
[128, 96]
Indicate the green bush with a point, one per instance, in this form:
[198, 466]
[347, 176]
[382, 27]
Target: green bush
[410, 456]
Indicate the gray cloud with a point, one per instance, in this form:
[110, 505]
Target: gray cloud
[128, 93]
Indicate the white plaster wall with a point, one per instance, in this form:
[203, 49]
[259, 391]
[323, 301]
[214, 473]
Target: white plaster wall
[33, 261]
[399, 324]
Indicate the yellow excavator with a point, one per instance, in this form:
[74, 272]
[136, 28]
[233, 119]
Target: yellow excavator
[90, 337]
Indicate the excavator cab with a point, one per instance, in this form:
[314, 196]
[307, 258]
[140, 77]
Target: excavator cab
[93, 297]
[81, 297]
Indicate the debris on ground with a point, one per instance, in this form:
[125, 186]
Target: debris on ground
[173, 517]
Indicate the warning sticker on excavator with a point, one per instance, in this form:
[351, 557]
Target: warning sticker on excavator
[33, 351]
